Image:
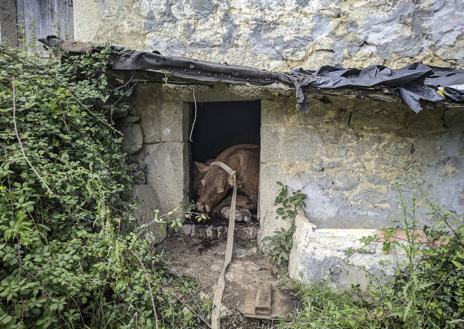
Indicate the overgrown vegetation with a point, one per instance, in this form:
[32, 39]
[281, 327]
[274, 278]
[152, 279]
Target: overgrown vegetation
[427, 290]
[288, 204]
[69, 257]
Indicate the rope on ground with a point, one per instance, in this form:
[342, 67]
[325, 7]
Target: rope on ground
[218, 292]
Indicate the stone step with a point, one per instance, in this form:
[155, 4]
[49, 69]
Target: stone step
[243, 232]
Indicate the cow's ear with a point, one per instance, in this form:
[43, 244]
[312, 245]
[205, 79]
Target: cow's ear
[201, 166]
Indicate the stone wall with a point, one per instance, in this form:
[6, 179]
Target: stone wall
[280, 34]
[155, 138]
[356, 160]
[8, 29]
[352, 158]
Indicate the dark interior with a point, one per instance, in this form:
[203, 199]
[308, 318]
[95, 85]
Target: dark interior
[220, 125]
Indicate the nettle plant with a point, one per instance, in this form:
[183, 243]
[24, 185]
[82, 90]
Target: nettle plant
[288, 204]
[69, 257]
[428, 288]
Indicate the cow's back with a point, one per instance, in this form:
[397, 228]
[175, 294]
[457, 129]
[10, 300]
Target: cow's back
[231, 151]
[244, 159]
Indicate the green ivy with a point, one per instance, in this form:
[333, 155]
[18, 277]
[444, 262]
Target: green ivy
[288, 204]
[68, 256]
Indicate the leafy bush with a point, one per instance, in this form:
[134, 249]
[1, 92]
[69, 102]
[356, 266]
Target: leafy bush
[426, 292]
[68, 257]
[280, 244]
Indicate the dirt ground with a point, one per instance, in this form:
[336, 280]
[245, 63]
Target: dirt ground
[202, 259]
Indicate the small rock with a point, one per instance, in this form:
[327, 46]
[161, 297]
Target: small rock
[225, 312]
[186, 229]
[345, 182]
[211, 233]
[132, 119]
[121, 113]
[139, 177]
[221, 231]
[133, 138]
[216, 268]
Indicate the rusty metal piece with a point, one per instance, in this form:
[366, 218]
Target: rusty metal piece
[267, 302]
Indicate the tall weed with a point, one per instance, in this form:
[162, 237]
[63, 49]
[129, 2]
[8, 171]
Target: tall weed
[427, 290]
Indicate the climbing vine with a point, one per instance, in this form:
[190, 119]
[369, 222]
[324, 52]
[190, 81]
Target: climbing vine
[288, 204]
[68, 256]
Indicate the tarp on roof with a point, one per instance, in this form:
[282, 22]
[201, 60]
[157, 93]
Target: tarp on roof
[413, 83]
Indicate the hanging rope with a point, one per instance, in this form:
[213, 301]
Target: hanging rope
[195, 116]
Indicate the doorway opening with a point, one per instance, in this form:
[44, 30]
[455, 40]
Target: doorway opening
[218, 126]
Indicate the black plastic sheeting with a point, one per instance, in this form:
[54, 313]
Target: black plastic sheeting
[413, 83]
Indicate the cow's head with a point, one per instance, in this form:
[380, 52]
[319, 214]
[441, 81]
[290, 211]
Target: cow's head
[213, 188]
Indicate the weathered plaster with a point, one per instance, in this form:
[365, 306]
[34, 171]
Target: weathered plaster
[320, 256]
[278, 35]
[355, 160]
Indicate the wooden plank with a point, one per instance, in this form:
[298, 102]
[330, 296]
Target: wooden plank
[8, 30]
[263, 301]
[283, 303]
[40, 18]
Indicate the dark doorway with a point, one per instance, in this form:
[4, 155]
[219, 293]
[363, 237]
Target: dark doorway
[219, 125]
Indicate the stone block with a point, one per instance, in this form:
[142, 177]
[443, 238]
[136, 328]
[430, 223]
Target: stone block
[147, 203]
[380, 116]
[428, 151]
[161, 120]
[427, 122]
[318, 256]
[454, 119]
[167, 173]
[132, 138]
[269, 175]
[345, 181]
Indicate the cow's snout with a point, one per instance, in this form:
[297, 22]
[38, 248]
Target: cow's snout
[200, 207]
[203, 207]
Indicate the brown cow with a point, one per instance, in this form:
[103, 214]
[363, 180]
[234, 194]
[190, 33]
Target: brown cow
[198, 175]
[216, 183]
[243, 209]
[244, 205]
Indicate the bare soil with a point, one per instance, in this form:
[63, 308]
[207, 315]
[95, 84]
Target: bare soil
[202, 259]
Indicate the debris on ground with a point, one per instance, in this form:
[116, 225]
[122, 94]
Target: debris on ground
[202, 258]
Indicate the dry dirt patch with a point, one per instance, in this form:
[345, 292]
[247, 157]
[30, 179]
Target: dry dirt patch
[202, 259]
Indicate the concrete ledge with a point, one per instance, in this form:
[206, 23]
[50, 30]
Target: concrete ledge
[319, 256]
